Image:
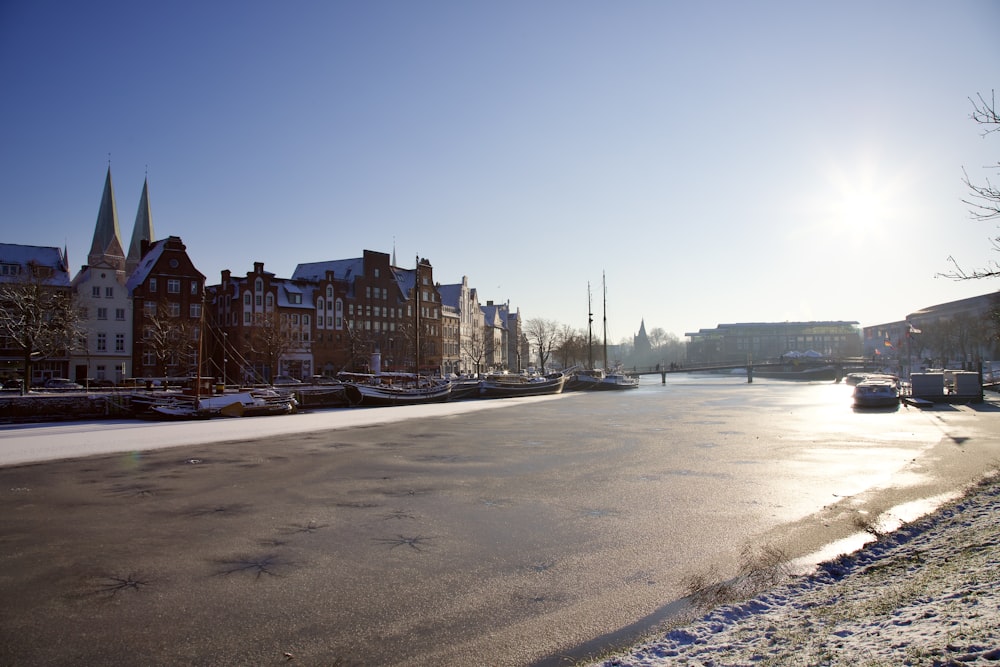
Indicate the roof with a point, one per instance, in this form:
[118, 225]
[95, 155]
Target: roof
[343, 269]
[451, 295]
[22, 255]
[107, 239]
[146, 265]
[143, 230]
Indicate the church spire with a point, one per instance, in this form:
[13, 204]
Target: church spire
[107, 245]
[143, 230]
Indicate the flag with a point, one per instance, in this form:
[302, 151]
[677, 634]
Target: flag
[887, 343]
[913, 330]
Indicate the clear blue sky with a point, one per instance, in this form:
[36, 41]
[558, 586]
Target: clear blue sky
[722, 162]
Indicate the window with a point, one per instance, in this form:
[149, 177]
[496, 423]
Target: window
[149, 308]
[152, 284]
[175, 309]
[295, 298]
[120, 314]
[305, 320]
[148, 358]
[100, 371]
[195, 310]
[95, 292]
[173, 286]
[109, 292]
[119, 342]
[102, 313]
[329, 292]
[102, 342]
[376, 273]
[258, 300]
[194, 287]
[10, 269]
[246, 317]
[368, 292]
[246, 299]
[258, 285]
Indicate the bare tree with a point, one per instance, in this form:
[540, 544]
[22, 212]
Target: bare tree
[171, 338]
[268, 339]
[474, 348]
[543, 335]
[40, 319]
[984, 199]
[572, 346]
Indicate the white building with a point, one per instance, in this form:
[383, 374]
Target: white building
[103, 297]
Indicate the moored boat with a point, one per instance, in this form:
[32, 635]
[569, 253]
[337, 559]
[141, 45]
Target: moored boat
[508, 386]
[876, 393]
[251, 403]
[617, 380]
[583, 379]
[396, 389]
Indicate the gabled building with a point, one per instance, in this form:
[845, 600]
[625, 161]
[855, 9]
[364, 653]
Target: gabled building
[168, 294]
[379, 311]
[464, 301]
[495, 336]
[266, 327]
[47, 268]
[106, 306]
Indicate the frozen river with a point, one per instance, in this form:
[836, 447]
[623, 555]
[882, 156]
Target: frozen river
[502, 532]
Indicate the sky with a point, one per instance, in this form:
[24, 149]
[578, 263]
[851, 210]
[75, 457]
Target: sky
[710, 162]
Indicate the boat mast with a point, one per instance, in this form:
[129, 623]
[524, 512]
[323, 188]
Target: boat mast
[416, 318]
[590, 330]
[604, 285]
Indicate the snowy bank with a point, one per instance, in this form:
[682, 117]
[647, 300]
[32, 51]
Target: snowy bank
[926, 594]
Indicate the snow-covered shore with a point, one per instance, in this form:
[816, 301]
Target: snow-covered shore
[926, 594]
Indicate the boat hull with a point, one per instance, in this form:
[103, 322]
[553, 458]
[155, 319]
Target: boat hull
[510, 388]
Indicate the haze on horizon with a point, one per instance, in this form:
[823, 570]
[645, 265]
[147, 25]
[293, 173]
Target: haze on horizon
[720, 162]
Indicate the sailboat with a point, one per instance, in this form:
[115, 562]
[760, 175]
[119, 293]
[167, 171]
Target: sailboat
[614, 379]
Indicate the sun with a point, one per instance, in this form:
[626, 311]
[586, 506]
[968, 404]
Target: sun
[859, 204]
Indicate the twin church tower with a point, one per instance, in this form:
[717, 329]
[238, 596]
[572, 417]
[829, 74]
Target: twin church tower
[106, 249]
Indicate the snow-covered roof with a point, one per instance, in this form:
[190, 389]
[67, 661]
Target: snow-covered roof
[343, 269]
[23, 255]
[146, 265]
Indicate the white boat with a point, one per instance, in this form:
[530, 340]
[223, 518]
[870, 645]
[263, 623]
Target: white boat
[395, 389]
[876, 393]
[617, 380]
[252, 403]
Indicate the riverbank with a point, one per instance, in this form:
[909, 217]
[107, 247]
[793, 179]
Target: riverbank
[926, 594]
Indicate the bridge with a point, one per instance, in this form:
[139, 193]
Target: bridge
[767, 367]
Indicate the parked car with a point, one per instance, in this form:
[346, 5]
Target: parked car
[103, 383]
[62, 383]
[16, 383]
[285, 379]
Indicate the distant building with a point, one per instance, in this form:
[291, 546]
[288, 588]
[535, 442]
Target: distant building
[952, 334]
[383, 309]
[266, 326]
[464, 300]
[736, 343]
[25, 264]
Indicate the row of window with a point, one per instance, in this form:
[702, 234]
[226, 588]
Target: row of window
[102, 342]
[102, 314]
[109, 292]
[150, 309]
[174, 286]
